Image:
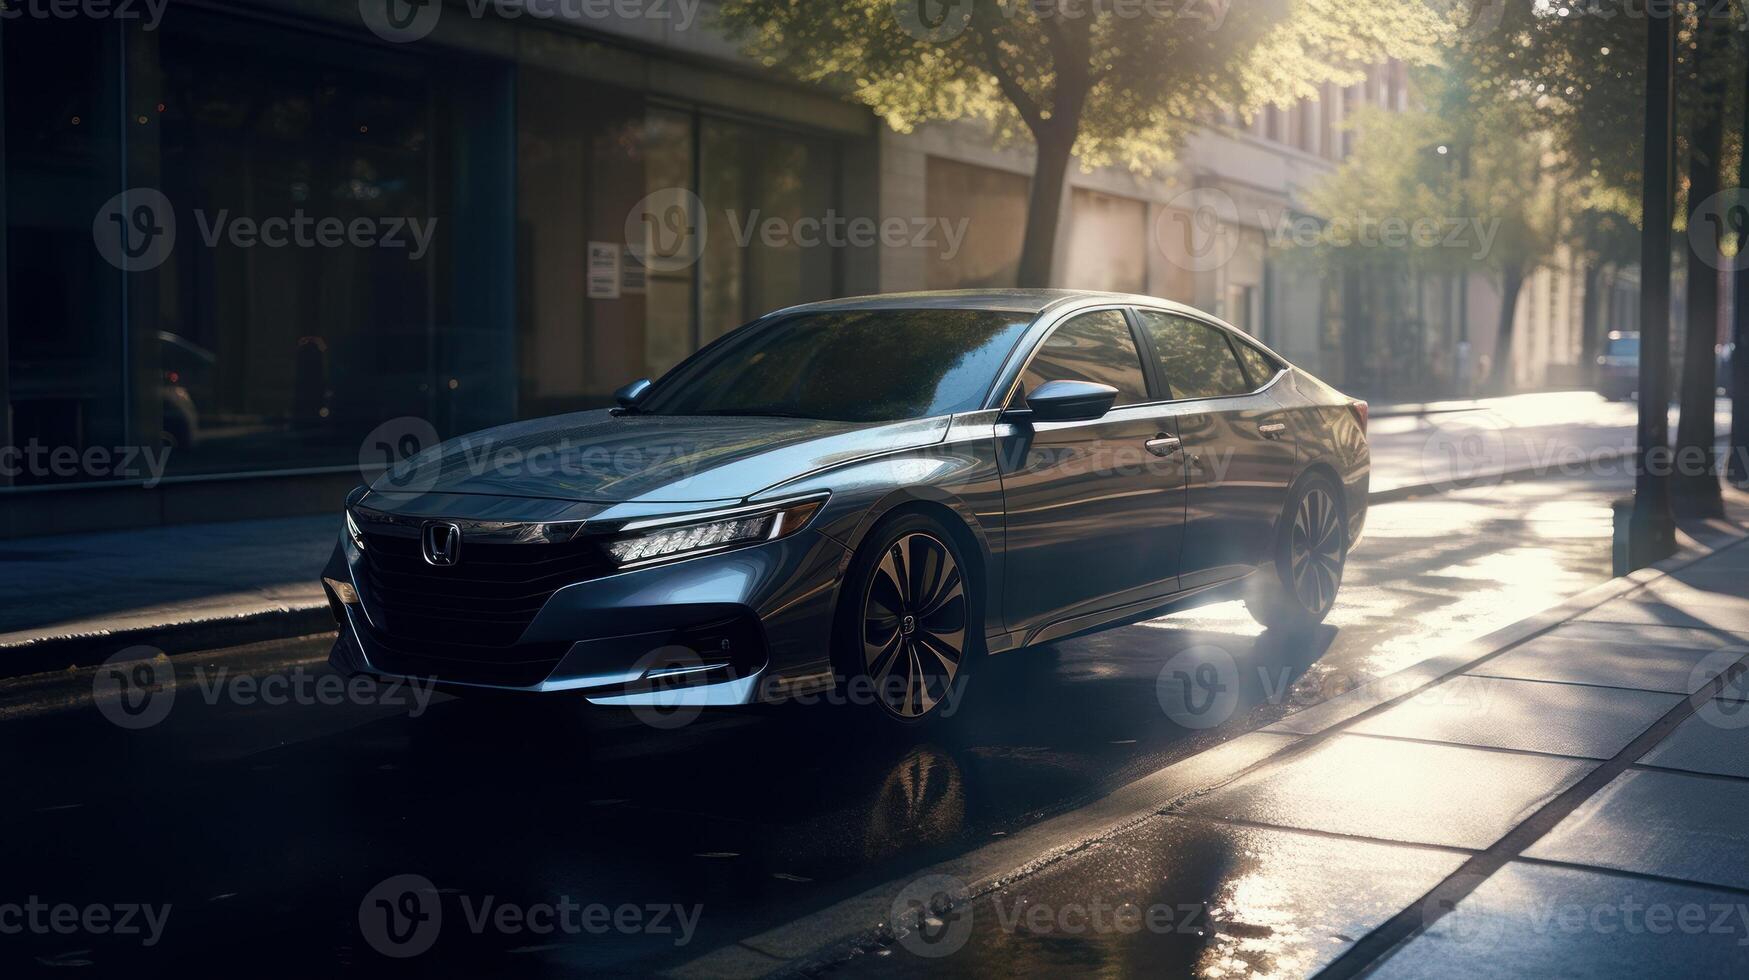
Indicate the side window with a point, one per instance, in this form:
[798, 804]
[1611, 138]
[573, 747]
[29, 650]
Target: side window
[1195, 358]
[1259, 365]
[1094, 347]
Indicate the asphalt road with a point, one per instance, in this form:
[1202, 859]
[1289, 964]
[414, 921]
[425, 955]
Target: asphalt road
[560, 840]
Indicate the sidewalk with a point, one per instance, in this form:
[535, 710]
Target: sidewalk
[1566, 797]
[77, 599]
[181, 588]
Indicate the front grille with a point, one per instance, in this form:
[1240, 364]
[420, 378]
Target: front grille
[486, 600]
[524, 666]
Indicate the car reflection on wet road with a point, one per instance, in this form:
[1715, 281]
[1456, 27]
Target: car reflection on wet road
[265, 825]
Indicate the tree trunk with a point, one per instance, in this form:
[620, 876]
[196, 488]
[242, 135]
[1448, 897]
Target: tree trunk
[1511, 284]
[1045, 207]
[1739, 459]
[1694, 486]
[1590, 319]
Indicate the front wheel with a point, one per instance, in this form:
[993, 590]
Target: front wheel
[1298, 589]
[912, 624]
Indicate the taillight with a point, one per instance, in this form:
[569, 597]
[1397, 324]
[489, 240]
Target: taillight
[1360, 414]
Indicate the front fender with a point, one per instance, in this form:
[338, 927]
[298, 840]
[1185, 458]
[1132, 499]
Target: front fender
[958, 475]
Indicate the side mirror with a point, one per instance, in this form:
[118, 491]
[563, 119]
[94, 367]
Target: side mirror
[630, 395]
[1070, 401]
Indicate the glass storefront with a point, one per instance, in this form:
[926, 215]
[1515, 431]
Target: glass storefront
[593, 158]
[362, 232]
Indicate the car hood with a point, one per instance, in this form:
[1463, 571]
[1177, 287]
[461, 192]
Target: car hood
[598, 456]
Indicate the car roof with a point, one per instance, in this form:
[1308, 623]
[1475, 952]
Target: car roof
[1031, 301]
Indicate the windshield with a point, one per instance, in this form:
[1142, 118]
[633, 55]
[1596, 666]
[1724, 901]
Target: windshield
[846, 365]
[1623, 347]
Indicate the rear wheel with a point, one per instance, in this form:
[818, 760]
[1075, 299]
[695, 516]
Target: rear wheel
[1298, 589]
[912, 626]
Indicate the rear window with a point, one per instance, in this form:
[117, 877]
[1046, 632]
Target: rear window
[1259, 365]
[1623, 347]
[1194, 357]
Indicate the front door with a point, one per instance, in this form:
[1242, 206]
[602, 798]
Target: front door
[1094, 516]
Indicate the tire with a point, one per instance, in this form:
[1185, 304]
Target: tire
[1297, 589]
[911, 624]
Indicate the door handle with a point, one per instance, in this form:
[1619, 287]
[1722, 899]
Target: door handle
[1272, 430]
[1163, 446]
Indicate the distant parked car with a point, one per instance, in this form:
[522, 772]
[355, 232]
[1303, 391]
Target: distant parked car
[1618, 367]
[872, 493]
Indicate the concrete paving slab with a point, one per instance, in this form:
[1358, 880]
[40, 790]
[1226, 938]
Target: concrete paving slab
[1628, 663]
[1674, 825]
[1642, 610]
[1527, 716]
[1716, 741]
[1178, 897]
[1715, 608]
[1648, 634]
[1532, 920]
[1396, 791]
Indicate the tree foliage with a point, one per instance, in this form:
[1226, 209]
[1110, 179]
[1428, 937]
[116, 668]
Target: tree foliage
[1109, 81]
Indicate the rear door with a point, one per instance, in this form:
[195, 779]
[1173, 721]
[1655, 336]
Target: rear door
[1240, 457]
[1094, 518]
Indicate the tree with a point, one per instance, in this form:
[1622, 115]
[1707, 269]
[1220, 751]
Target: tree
[1586, 72]
[1465, 156]
[1112, 83]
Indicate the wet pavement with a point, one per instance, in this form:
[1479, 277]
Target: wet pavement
[266, 826]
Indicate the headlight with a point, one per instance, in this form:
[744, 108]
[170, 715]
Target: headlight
[674, 540]
[353, 532]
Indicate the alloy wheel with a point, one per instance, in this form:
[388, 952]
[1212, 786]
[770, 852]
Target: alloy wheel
[914, 620]
[1316, 551]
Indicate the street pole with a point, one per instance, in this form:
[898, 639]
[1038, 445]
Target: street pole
[1651, 529]
[1737, 467]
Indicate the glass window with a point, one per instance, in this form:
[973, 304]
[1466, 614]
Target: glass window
[851, 365]
[764, 191]
[274, 350]
[1095, 347]
[1194, 357]
[1259, 365]
[63, 323]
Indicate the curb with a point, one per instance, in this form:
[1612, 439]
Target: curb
[867, 920]
[72, 650]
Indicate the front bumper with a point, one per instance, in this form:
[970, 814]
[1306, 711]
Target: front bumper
[727, 628]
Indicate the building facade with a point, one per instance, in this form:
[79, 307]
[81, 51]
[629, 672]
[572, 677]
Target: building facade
[254, 252]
